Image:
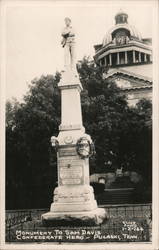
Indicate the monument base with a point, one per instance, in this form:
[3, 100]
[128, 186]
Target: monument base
[90, 218]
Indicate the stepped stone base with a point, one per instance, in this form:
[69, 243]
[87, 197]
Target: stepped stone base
[90, 218]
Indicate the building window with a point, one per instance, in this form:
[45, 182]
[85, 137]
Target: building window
[142, 57]
[114, 59]
[121, 36]
[136, 56]
[122, 57]
[130, 57]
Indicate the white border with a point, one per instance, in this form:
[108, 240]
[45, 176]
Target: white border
[123, 246]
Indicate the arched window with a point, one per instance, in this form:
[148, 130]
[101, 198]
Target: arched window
[121, 36]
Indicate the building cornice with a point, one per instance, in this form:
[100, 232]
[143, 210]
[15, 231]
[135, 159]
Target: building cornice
[136, 88]
[129, 74]
[132, 45]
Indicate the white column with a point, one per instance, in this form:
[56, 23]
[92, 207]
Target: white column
[126, 57]
[139, 56]
[110, 59]
[145, 58]
[134, 56]
[105, 61]
[118, 59]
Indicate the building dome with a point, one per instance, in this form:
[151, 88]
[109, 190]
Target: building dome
[121, 24]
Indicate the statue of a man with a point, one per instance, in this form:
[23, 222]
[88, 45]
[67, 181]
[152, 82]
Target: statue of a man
[68, 42]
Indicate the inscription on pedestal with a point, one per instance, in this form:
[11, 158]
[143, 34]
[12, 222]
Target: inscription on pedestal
[75, 172]
[71, 151]
[70, 172]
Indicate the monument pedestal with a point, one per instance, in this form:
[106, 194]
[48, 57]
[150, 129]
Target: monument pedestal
[90, 218]
[74, 201]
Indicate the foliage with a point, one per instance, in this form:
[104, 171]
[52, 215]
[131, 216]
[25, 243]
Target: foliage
[122, 135]
[29, 157]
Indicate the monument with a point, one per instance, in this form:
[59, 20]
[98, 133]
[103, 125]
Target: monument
[74, 200]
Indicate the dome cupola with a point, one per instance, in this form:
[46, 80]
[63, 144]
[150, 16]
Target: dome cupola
[121, 17]
[121, 29]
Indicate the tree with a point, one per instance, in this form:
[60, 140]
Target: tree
[30, 161]
[122, 134]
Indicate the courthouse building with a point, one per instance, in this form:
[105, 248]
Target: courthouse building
[128, 58]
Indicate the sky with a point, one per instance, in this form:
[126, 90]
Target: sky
[33, 35]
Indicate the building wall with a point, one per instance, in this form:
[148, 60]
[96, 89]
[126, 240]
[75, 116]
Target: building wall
[135, 96]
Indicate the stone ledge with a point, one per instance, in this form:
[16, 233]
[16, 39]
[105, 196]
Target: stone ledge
[71, 127]
[90, 218]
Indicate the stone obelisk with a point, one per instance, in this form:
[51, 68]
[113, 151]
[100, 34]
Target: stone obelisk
[74, 200]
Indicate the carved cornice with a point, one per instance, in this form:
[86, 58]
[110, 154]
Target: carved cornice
[113, 48]
[136, 88]
[128, 74]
